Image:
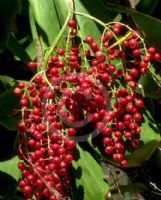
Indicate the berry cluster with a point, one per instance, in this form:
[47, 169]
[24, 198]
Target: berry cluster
[92, 85]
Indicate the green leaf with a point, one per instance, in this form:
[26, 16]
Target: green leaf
[17, 50]
[149, 104]
[150, 87]
[62, 11]
[112, 2]
[31, 50]
[147, 6]
[7, 81]
[8, 9]
[10, 167]
[88, 176]
[97, 10]
[156, 157]
[8, 101]
[46, 21]
[9, 175]
[148, 25]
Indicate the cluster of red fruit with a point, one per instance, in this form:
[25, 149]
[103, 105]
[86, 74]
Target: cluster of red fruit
[75, 90]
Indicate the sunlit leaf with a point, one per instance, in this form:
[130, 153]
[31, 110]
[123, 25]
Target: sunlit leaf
[9, 175]
[46, 21]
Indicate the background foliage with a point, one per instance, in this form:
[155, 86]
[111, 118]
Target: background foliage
[22, 23]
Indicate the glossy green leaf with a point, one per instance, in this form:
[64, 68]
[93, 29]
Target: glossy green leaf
[9, 175]
[17, 50]
[8, 101]
[8, 9]
[147, 6]
[46, 21]
[88, 176]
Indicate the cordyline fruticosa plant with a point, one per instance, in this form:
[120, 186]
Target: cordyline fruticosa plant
[85, 90]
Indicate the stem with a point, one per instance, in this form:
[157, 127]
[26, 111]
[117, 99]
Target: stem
[83, 47]
[91, 17]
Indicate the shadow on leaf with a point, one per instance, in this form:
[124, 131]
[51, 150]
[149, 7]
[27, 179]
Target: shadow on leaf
[7, 186]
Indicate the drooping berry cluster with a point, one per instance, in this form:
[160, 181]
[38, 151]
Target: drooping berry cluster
[91, 85]
[44, 145]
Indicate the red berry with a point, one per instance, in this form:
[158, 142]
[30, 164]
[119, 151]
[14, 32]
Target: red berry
[109, 35]
[147, 58]
[16, 91]
[117, 134]
[143, 64]
[107, 141]
[117, 156]
[71, 23]
[136, 52]
[111, 68]
[31, 178]
[24, 102]
[157, 56]
[137, 117]
[107, 131]
[52, 197]
[127, 134]
[135, 143]
[21, 165]
[22, 184]
[151, 50]
[60, 51]
[21, 85]
[31, 65]
[132, 43]
[27, 189]
[128, 78]
[71, 131]
[139, 103]
[54, 58]
[89, 40]
[119, 147]
[99, 126]
[123, 163]
[134, 72]
[109, 150]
